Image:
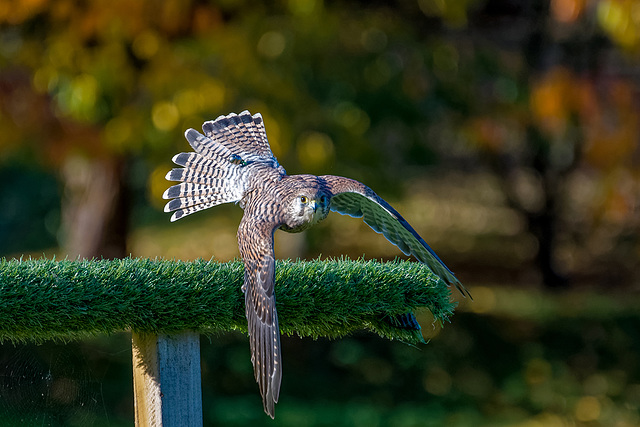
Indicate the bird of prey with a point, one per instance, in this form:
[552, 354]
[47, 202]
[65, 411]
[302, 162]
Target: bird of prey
[233, 162]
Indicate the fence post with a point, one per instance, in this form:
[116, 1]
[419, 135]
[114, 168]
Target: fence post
[166, 379]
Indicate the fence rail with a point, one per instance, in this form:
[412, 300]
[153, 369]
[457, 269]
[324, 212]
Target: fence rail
[167, 304]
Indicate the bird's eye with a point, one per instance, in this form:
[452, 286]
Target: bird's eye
[304, 199]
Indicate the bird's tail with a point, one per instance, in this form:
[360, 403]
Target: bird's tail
[218, 170]
[204, 181]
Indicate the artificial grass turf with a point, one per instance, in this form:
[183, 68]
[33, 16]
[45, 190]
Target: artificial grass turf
[47, 299]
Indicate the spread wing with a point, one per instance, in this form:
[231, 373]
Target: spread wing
[256, 247]
[233, 150]
[355, 199]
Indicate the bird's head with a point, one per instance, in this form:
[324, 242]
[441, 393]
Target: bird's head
[307, 204]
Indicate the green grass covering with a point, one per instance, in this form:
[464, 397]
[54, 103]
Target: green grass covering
[46, 299]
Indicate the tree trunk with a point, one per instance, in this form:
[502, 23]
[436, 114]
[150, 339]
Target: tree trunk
[94, 208]
[542, 226]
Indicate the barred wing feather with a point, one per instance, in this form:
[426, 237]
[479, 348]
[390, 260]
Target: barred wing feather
[256, 249]
[355, 199]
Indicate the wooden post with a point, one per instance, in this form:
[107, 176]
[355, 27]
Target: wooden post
[166, 379]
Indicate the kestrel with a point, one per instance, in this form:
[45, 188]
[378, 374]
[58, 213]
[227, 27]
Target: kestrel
[233, 162]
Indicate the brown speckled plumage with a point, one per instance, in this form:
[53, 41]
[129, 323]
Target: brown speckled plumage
[232, 162]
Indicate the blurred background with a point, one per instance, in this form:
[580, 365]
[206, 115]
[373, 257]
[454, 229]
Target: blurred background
[506, 133]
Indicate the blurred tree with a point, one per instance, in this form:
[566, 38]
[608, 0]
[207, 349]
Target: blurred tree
[552, 115]
[90, 87]
[102, 91]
